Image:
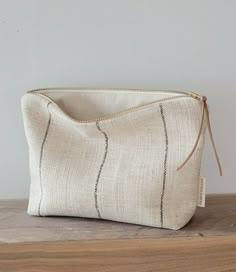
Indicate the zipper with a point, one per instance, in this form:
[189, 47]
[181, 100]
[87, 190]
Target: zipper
[192, 95]
[86, 89]
[181, 94]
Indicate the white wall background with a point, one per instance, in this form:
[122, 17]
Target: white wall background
[178, 44]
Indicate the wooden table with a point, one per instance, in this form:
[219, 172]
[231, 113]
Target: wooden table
[207, 243]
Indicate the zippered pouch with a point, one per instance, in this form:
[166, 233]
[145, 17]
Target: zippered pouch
[131, 156]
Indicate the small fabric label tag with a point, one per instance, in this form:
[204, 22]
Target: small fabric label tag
[201, 192]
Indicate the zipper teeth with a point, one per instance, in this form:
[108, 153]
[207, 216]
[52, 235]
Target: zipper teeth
[66, 89]
[132, 109]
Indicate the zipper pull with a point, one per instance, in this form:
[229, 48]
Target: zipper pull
[195, 96]
[205, 111]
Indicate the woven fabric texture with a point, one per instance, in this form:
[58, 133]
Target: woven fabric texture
[122, 168]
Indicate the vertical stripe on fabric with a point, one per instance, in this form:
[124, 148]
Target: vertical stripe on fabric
[165, 163]
[100, 169]
[41, 157]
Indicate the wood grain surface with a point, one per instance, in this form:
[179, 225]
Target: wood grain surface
[200, 254]
[207, 243]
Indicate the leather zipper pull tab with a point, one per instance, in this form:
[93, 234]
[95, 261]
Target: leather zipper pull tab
[205, 111]
[212, 138]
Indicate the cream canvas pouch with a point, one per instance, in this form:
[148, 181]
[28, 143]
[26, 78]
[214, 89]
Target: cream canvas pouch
[132, 156]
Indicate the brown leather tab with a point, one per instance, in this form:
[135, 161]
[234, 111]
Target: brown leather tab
[205, 111]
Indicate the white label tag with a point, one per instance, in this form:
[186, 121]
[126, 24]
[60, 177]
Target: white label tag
[202, 192]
